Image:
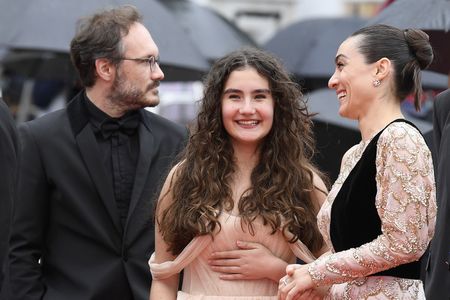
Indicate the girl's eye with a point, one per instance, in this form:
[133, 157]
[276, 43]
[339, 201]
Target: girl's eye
[339, 65]
[260, 96]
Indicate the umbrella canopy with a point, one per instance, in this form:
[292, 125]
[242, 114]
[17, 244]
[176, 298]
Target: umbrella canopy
[308, 47]
[49, 25]
[433, 16]
[334, 135]
[433, 80]
[38, 64]
[214, 35]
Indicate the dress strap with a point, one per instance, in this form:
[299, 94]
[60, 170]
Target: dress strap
[300, 250]
[189, 253]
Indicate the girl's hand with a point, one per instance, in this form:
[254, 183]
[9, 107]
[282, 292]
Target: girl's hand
[250, 261]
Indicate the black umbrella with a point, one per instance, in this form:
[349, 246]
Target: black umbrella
[49, 25]
[308, 47]
[39, 64]
[433, 16]
[214, 35]
[335, 134]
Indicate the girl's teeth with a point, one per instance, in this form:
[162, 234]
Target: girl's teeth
[248, 122]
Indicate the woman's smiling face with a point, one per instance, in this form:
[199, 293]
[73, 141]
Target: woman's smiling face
[352, 80]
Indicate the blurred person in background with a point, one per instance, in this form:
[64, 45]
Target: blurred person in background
[82, 223]
[9, 150]
[437, 276]
[379, 216]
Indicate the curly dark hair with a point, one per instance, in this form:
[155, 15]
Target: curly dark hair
[281, 182]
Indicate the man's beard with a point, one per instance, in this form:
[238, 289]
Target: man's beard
[128, 97]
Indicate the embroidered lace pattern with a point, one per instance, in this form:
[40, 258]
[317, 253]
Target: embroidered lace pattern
[406, 204]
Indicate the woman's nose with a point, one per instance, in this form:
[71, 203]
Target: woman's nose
[332, 82]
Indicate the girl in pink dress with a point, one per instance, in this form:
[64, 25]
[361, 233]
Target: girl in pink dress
[380, 214]
[242, 203]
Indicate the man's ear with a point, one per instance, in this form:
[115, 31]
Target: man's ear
[383, 68]
[105, 69]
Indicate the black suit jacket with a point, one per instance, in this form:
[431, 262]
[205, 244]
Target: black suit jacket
[66, 214]
[437, 281]
[8, 164]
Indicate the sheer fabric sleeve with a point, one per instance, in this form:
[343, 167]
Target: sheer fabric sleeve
[301, 251]
[406, 204]
[189, 253]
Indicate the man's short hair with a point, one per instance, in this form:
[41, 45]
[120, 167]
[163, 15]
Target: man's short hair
[100, 36]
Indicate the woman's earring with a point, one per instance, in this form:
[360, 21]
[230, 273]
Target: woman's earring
[376, 83]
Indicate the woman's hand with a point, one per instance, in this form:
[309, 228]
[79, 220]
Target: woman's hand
[297, 284]
[250, 261]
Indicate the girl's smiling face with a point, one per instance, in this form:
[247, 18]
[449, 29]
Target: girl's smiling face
[247, 107]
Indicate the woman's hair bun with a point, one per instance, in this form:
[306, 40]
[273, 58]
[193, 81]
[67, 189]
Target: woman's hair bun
[420, 47]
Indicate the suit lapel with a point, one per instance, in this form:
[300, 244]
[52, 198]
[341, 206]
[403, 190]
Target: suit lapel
[146, 152]
[90, 153]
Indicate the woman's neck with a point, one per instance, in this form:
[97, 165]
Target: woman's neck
[378, 117]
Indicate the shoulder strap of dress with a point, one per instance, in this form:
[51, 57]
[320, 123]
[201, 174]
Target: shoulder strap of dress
[189, 253]
[405, 121]
[374, 140]
[299, 249]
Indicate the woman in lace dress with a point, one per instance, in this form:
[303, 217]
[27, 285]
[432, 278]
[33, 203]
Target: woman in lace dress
[379, 216]
[245, 187]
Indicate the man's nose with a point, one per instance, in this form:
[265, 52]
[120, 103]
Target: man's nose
[157, 73]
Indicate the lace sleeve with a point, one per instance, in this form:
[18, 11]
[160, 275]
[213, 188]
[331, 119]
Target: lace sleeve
[406, 204]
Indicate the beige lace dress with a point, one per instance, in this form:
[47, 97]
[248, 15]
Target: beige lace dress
[406, 204]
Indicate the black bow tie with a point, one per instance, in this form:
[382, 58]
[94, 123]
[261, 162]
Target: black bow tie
[128, 126]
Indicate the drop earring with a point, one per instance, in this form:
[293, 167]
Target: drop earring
[376, 83]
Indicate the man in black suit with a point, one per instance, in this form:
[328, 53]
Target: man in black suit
[437, 280]
[8, 164]
[82, 225]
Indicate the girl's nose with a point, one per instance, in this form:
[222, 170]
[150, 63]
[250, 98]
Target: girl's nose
[247, 107]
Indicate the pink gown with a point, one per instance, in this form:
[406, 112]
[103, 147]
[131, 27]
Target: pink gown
[200, 282]
[406, 204]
